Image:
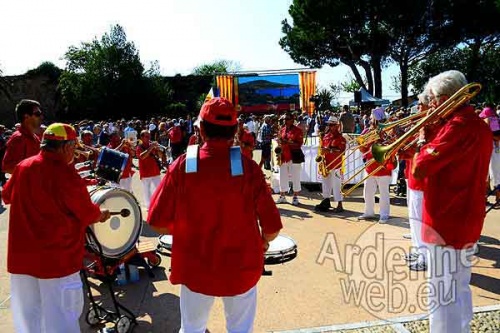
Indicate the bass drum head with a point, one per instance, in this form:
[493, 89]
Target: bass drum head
[165, 241]
[281, 244]
[118, 235]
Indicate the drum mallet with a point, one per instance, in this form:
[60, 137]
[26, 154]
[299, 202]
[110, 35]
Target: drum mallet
[124, 212]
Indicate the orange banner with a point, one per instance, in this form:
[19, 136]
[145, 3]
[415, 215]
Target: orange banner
[225, 84]
[307, 81]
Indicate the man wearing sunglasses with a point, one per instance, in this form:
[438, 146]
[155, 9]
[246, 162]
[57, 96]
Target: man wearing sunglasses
[24, 142]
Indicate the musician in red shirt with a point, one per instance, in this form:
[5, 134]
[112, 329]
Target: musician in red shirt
[454, 164]
[24, 142]
[244, 138]
[417, 258]
[290, 139]
[149, 166]
[50, 211]
[381, 175]
[333, 146]
[219, 233]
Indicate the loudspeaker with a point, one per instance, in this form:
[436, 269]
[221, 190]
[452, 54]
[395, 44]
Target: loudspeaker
[357, 97]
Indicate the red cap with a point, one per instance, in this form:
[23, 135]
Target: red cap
[219, 111]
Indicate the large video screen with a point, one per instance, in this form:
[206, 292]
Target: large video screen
[268, 92]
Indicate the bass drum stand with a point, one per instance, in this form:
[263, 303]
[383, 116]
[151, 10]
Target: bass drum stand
[122, 317]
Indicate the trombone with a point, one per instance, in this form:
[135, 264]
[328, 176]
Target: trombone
[382, 153]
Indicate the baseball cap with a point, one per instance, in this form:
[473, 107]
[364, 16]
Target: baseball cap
[332, 119]
[59, 132]
[219, 111]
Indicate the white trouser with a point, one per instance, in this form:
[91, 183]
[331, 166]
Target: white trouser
[239, 311]
[285, 170]
[450, 299]
[370, 188]
[495, 167]
[414, 199]
[149, 186]
[126, 184]
[46, 305]
[332, 182]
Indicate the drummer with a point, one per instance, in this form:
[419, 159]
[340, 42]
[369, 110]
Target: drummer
[219, 232]
[50, 210]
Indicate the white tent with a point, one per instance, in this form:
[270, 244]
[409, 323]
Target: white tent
[366, 97]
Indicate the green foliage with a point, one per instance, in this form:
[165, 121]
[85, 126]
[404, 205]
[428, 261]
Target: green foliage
[47, 69]
[105, 78]
[217, 67]
[488, 74]
[350, 86]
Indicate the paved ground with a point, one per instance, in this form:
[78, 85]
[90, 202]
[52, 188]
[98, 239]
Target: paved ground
[327, 284]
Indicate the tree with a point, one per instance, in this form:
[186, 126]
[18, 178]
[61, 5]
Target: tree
[105, 77]
[217, 67]
[488, 74]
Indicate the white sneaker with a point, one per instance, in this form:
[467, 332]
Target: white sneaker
[281, 199]
[295, 201]
[367, 217]
[383, 219]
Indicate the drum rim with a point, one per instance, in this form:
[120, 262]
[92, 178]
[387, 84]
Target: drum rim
[122, 168]
[99, 200]
[284, 251]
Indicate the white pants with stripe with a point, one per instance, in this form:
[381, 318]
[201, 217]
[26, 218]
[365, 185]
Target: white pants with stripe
[239, 311]
[332, 183]
[46, 305]
[285, 170]
[415, 199]
[149, 185]
[450, 298]
[370, 189]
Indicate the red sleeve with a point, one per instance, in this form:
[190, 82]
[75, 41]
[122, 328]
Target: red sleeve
[442, 150]
[15, 152]
[162, 207]
[267, 212]
[77, 198]
[192, 140]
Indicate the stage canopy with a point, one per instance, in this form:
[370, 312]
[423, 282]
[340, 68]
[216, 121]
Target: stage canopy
[367, 98]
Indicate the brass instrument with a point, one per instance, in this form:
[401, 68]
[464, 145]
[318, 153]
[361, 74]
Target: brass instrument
[382, 153]
[82, 149]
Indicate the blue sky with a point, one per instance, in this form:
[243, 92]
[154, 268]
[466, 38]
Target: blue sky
[180, 34]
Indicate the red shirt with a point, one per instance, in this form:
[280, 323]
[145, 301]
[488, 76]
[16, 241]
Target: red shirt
[194, 140]
[334, 140]
[247, 143]
[456, 166]
[50, 210]
[148, 167]
[215, 220]
[22, 144]
[413, 183]
[385, 171]
[175, 134]
[290, 134]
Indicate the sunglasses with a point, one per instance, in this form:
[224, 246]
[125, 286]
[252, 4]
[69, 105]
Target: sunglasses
[37, 114]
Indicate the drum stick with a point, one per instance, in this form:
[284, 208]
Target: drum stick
[124, 212]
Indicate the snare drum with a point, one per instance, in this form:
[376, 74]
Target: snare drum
[118, 235]
[110, 164]
[282, 249]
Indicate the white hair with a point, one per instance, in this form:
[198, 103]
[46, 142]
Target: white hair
[446, 83]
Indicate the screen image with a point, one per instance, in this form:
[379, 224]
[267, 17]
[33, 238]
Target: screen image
[267, 92]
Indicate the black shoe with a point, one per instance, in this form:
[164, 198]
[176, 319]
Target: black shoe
[418, 266]
[411, 256]
[323, 206]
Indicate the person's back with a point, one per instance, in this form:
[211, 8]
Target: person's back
[347, 121]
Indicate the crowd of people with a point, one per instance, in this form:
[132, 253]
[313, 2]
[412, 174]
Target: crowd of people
[228, 261]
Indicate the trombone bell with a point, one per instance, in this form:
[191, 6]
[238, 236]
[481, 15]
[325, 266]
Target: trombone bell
[379, 152]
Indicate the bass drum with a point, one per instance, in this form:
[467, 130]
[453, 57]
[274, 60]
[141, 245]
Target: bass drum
[118, 235]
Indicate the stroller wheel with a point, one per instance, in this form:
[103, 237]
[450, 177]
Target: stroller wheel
[93, 316]
[123, 324]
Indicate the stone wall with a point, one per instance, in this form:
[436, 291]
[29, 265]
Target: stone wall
[38, 87]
